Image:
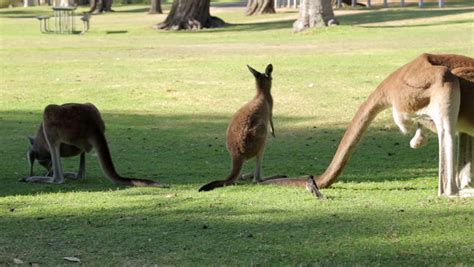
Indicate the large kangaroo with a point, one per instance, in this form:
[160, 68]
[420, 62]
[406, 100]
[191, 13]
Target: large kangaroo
[439, 91]
[70, 130]
[248, 129]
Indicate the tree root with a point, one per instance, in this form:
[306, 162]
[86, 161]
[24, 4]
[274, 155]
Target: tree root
[190, 24]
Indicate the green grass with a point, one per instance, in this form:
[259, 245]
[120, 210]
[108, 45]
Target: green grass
[167, 98]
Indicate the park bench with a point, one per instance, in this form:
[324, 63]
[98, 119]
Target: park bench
[44, 23]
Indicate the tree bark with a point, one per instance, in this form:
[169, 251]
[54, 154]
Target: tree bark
[314, 13]
[190, 15]
[258, 7]
[99, 6]
[155, 7]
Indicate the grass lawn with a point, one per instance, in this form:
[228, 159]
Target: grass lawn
[166, 99]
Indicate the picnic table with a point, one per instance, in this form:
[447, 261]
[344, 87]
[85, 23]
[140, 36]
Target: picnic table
[63, 17]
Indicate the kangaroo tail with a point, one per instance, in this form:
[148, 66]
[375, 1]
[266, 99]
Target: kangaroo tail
[234, 174]
[100, 144]
[359, 124]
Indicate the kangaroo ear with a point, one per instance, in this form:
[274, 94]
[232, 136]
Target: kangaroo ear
[269, 70]
[31, 140]
[254, 72]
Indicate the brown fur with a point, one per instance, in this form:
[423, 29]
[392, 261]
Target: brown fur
[248, 129]
[440, 87]
[70, 130]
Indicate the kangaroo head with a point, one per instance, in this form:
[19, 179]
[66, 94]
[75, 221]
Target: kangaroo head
[33, 154]
[264, 80]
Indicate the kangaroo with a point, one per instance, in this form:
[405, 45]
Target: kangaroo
[69, 130]
[438, 90]
[247, 131]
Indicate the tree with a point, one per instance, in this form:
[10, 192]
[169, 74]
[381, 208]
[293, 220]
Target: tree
[155, 7]
[99, 6]
[190, 15]
[347, 3]
[314, 13]
[257, 7]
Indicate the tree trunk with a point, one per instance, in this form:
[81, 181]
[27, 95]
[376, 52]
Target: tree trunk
[44, 2]
[155, 7]
[347, 3]
[190, 15]
[99, 6]
[258, 7]
[314, 13]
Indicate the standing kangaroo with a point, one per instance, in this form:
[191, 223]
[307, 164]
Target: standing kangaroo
[248, 129]
[70, 130]
[436, 90]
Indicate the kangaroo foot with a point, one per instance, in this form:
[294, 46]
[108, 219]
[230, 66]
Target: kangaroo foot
[73, 175]
[246, 176]
[40, 179]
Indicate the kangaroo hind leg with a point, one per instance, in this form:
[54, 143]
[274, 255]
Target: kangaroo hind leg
[80, 175]
[257, 177]
[444, 114]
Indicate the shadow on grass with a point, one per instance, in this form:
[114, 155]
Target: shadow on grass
[467, 21]
[165, 6]
[24, 13]
[190, 150]
[134, 10]
[184, 230]
[374, 16]
[386, 15]
[250, 27]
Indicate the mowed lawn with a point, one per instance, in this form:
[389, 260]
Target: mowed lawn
[166, 99]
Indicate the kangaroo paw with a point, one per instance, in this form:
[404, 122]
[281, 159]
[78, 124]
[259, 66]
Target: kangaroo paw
[313, 188]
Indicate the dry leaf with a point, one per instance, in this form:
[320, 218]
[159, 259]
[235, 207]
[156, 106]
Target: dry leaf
[72, 259]
[171, 195]
[17, 261]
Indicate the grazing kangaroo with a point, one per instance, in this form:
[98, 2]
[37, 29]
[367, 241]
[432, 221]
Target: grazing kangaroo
[438, 90]
[70, 130]
[248, 129]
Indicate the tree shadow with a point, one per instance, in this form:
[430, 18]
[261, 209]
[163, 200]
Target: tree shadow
[455, 22]
[253, 27]
[386, 15]
[190, 150]
[165, 5]
[24, 13]
[133, 10]
[181, 230]
[229, 4]
[373, 16]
